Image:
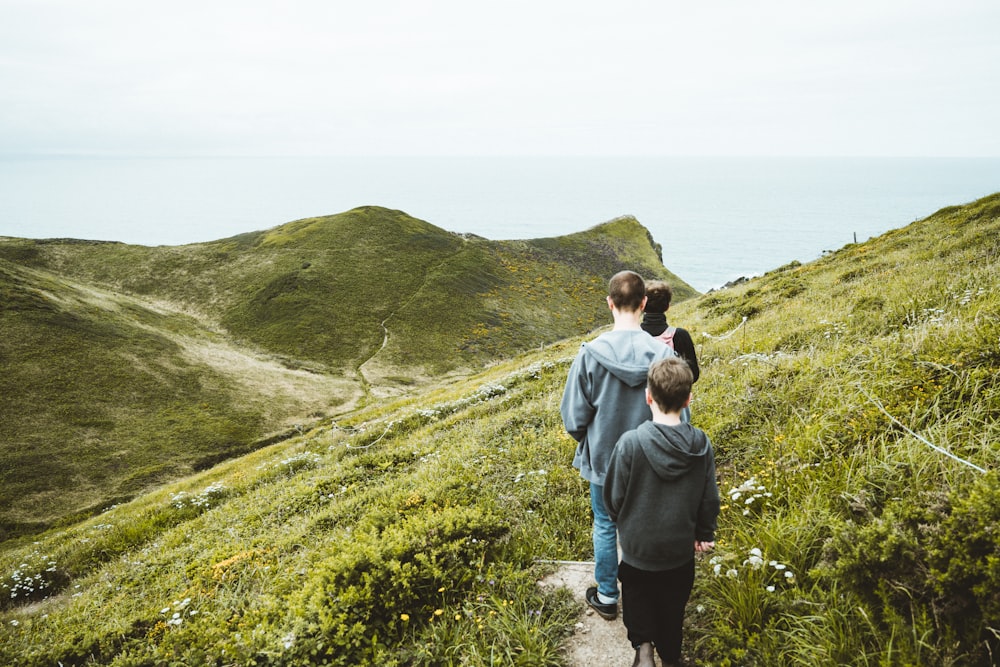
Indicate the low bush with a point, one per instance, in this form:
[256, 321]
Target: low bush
[934, 557]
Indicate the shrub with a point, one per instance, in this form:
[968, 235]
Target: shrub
[932, 556]
[361, 599]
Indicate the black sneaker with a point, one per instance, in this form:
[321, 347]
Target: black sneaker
[608, 611]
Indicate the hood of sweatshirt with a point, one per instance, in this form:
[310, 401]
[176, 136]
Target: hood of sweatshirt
[627, 354]
[673, 450]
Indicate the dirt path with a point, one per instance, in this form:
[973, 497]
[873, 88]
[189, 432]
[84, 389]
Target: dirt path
[596, 642]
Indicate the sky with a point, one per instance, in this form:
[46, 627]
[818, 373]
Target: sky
[519, 77]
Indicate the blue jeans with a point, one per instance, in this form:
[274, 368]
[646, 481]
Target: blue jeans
[605, 545]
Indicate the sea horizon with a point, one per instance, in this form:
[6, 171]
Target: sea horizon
[717, 218]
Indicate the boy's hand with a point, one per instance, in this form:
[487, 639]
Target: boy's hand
[701, 547]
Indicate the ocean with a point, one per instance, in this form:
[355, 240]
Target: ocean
[717, 218]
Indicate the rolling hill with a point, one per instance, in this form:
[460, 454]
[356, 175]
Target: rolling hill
[126, 366]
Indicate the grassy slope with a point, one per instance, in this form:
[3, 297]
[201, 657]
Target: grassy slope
[316, 291]
[815, 404]
[411, 532]
[313, 290]
[126, 366]
[103, 397]
[496, 296]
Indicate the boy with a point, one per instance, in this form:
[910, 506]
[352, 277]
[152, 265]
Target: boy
[603, 398]
[661, 491]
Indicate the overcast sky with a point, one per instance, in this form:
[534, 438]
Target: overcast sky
[519, 77]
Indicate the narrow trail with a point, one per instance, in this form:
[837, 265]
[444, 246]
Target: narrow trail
[596, 642]
[384, 323]
[385, 341]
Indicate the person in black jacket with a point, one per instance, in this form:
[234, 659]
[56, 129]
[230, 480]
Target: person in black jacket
[660, 491]
[654, 322]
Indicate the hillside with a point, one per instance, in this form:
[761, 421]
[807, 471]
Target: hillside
[104, 396]
[321, 292]
[127, 366]
[853, 403]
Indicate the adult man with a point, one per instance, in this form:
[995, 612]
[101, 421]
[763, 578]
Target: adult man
[605, 396]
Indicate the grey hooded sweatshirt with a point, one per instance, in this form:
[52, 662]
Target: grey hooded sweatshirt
[661, 492]
[605, 395]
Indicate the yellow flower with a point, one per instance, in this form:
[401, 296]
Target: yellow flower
[404, 617]
[441, 590]
[438, 612]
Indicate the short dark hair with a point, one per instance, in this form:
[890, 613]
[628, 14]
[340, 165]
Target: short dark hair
[669, 381]
[627, 289]
[658, 296]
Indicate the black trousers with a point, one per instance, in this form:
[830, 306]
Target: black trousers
[653, 606]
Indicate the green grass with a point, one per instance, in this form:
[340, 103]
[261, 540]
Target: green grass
[384, 519]
[317, 291]
[413, 530]
[128, 366]
[817, 397]
[100, 400]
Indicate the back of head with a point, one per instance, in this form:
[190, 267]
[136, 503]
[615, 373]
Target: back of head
[627, 289]
[658, 296]
[669, 381]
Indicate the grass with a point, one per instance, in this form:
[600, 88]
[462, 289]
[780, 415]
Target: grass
[317, 291]
[104, 398]
[392, 513]
[820, 396]
[131, 366]
[413, 530]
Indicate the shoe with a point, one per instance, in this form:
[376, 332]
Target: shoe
[608, 611]
[644, 656]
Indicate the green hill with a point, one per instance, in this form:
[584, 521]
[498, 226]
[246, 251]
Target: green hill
[127, 366]
[853, 402]
[321, 292]
[104, 396]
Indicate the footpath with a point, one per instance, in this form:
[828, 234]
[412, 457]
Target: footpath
[596, 642]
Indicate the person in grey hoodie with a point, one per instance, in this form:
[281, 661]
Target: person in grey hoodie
[661, 491]
[605, 397]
